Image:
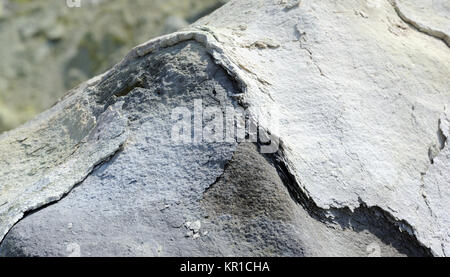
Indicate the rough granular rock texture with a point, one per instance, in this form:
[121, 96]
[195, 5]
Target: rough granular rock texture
[431, 17]
[356, 99]
[255, 210]
[138, 202]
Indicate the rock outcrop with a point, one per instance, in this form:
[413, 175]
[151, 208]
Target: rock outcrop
[352, 108]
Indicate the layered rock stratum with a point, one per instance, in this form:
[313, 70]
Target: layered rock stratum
[353, 95]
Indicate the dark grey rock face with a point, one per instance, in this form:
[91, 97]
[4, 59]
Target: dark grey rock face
[255, 210]
[138, 202]
[156, 198]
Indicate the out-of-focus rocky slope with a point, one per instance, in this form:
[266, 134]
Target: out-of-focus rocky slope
[47, 48]
[354, 99]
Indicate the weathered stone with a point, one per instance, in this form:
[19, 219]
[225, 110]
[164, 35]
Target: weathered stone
[356, 107]
[431, 17]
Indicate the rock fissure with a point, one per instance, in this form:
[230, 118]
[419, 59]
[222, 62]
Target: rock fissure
[212, 46]
[374, 217]
[419, 26]
[364, 157]
[56, 199]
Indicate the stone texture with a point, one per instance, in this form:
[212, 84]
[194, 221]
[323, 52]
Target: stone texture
[358, 105]
[355, 100]
[431, 17]
[137, 202]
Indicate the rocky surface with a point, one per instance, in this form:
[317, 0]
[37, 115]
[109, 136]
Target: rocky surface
[417, 13]
[141, 198]
[48, 48]
[248, 211]
[355, 101]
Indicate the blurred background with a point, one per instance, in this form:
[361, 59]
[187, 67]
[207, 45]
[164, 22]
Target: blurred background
[47, 48]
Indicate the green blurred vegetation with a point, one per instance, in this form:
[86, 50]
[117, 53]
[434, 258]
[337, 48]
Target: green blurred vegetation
[48, 48]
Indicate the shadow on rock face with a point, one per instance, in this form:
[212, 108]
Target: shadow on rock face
[154, 198]
[257, 209]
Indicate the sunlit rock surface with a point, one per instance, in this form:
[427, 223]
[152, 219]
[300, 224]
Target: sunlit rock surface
[355, 99]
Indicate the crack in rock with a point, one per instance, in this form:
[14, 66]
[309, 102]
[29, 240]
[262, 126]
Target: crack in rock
[420, 26]
[313, 129]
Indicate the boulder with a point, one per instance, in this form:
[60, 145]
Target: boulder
[345, 152]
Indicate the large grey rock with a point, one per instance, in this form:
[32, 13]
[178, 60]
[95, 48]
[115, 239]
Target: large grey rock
[137, 203]
[358, 103]
[354, 99]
